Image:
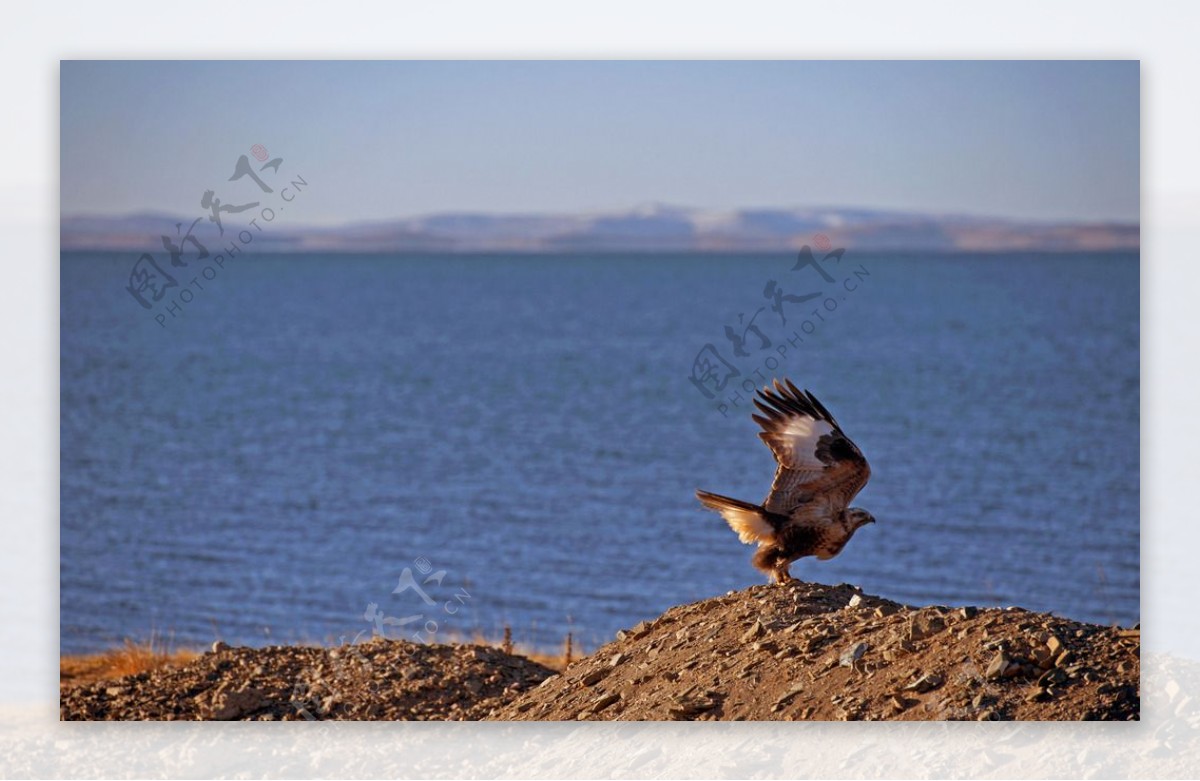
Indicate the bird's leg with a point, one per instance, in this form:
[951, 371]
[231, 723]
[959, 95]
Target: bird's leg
[772, 561]
[766, 561]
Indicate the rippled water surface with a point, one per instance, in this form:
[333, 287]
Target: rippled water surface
[520, 433]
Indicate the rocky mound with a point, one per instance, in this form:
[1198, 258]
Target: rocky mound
[378, 680]
[803, 651]
[808, 651]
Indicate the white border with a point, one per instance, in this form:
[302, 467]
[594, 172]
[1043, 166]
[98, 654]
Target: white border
[1160, 34]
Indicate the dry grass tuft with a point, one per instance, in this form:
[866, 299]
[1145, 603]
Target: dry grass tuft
[571, 651]
[130, 659]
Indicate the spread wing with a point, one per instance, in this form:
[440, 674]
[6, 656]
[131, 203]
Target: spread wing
[816, 459]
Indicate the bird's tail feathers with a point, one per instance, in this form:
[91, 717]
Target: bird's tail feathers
[748, 520]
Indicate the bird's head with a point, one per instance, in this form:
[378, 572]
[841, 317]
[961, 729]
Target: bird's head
[858, 517]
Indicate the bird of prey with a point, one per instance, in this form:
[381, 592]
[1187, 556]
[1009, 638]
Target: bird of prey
[807, 512]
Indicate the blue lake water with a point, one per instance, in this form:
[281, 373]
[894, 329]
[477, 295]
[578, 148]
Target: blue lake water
[521, 434]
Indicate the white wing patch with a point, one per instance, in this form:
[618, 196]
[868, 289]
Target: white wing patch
[749, 525]
[797, 440]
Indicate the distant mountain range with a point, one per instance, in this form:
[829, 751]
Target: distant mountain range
[654, 228]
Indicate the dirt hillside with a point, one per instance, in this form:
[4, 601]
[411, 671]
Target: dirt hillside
[797, 652]
[380, 679]
[808, 651]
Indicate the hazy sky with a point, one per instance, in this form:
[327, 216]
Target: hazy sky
[1045, 140]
